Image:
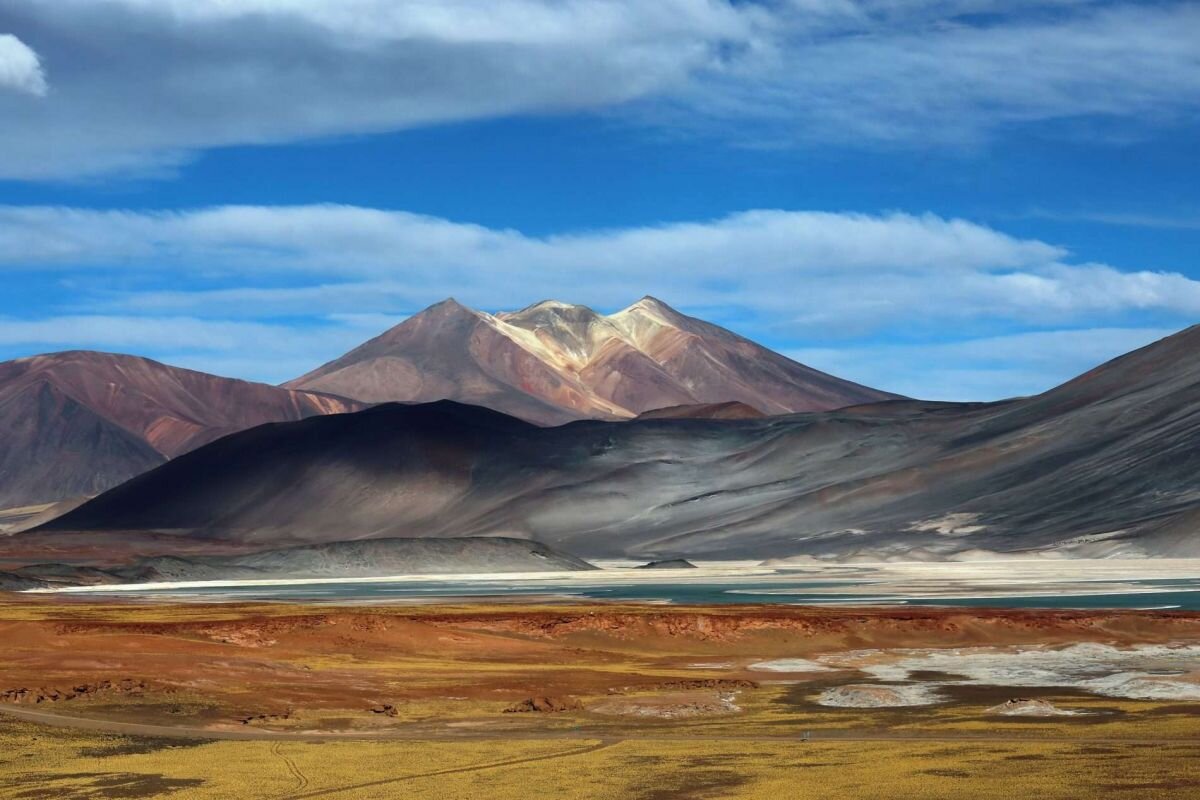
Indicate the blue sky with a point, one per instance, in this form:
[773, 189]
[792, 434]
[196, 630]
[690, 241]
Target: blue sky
[957, 199]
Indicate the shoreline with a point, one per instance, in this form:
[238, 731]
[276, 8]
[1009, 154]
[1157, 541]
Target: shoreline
[892, 581]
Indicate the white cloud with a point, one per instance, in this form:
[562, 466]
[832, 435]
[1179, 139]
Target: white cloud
[280, 351]
[927, 72]
[342, 239]
[305, 283]
[803, 272]
[160, 80]
[20, 68]
[517, 21]
[126, 331]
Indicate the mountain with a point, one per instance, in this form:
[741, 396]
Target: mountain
[77, 423]
[362, 559]
[1107, 463]
[81, 422]
[730, 410]
[555, 362]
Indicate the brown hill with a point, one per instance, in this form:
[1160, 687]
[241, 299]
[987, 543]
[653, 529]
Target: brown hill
[554, 362]
[79, 422]
[731, 410]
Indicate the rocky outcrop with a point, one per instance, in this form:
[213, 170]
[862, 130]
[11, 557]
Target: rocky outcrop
[879, 696]
[385, 709]
[1025, 707]
[124, 686]
[251, 719]
[671, 706]
[544, 705]
[688, 684]
[671, 563]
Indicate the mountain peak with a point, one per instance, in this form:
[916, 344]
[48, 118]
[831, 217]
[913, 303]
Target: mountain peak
[648, 304]
[436, 315]
[553, 361]
[449, 305]
[649, 310]
[650, 301]
[547, 305]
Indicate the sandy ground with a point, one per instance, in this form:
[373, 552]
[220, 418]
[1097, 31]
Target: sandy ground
[295, 665]
[658, 702]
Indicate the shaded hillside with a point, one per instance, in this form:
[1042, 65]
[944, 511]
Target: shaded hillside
[731, 410]
[1107, 462]
[77, 423]
[553, 362]
[359, 559]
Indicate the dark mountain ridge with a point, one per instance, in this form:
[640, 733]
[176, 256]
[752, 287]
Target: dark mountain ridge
[1106, 463]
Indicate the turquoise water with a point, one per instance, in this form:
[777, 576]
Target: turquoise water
[1160, 593]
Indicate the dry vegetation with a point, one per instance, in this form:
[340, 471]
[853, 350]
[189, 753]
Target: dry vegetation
[449, 674]
[39, 763]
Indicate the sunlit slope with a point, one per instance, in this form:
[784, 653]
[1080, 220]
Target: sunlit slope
[553, 362]
[79, 422]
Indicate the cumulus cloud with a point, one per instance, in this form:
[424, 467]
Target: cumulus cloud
[306, 283]
[162, 80]
[20, 68]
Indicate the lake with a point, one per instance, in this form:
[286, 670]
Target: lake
[1142, 585]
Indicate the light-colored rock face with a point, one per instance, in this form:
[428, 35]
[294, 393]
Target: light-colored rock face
[879, 696]
[554, 361]
[1022, 707]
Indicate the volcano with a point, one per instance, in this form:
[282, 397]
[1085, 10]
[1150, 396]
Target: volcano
[555, 362]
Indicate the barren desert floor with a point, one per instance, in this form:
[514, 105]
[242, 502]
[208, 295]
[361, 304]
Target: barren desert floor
[117, 699]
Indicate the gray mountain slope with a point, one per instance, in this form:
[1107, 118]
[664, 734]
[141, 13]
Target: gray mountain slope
[363, 559]
[1106, 463]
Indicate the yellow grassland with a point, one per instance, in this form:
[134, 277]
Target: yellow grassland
[38, 762]
[450, 738]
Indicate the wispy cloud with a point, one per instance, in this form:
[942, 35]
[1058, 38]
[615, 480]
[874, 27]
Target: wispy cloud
[161, 80]
[301, 284]
[20, 67]
[952, 73]
[280, 350]
[340, 239]
[800, 272]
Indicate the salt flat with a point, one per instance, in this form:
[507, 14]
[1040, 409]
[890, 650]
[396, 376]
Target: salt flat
[1098, 583]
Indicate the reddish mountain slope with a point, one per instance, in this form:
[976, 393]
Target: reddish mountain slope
[451, 351]
[730, 410]
[553, 362]
[77, 423]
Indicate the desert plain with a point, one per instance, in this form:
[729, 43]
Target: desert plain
[114, 698]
